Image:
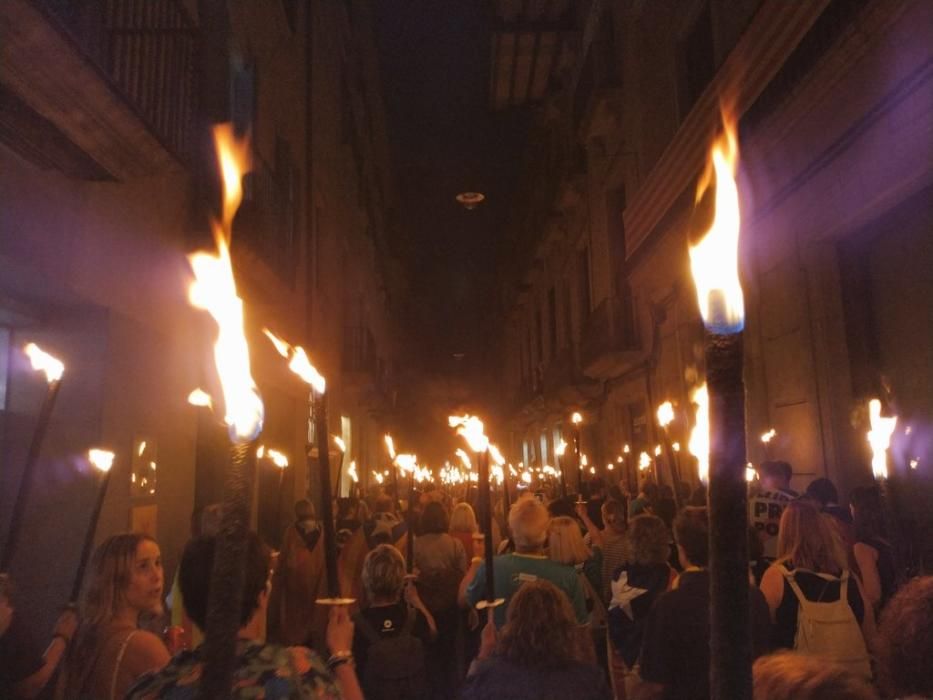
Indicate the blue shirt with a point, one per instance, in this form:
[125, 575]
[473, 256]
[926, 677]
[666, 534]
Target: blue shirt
[511, 570]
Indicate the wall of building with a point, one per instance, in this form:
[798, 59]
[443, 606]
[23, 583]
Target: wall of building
[833, 172]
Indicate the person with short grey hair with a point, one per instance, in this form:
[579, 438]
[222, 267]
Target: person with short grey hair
[528, 522]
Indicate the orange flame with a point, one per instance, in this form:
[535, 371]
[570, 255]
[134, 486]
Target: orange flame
[277, 458]
[234, 159]
[470, 428]
[464, 458]
[665, 414]
[199, 397]
[214, 290]
[879, 437]
[102, 460]
[714, 260]
[496, 455]
[298, 362]
[406, 462]
[340, 443]
[390, 446]
[644, 461]
[560, 449]
[699, 438]
[43, 362]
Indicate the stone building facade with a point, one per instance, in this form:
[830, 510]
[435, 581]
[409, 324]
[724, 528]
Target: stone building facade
[106, 178]
[834, 100]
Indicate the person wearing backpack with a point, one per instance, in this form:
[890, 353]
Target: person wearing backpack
[391, 632]
[818, 607]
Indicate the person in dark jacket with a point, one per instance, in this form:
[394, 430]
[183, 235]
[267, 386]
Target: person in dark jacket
[538, 654]
[675, 653]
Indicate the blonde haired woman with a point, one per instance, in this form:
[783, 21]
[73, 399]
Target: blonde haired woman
[810, 574]
[463, 526]
[566, 546]
[124, 582]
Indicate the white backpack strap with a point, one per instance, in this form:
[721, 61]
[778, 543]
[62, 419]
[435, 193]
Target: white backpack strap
[844, 586]
[789, 577]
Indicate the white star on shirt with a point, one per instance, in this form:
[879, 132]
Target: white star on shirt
[623, 594]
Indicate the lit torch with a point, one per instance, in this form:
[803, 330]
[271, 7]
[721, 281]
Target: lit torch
[699, 437]
[715, 266]
[342, 446]
[879, 437]
[470, 428]
[409, 465]
[576, 419]
[214, 290]
[280, 461]
[318, 444]
[53, 369]
[559, 454]
[499, 461]
[102, 461]
[200, 398]
[665, 418]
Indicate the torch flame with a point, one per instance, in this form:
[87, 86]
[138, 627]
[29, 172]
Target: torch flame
[526, 477]
[351, 472]
[471, 429]
[102, 460]
[390, 446]
[644, 461]
[234, 160]
[560, 449]
[43, 362]
[214, 290]
[277, 458]
[576, 418]
[298, 362]
[714, 260]
[665, 414]
[199, 397]
[879, 437]
[496, 455]
[626, 449]
[340, 443]
[699, 438]
[464, 458]
[768, 436]
[406, 462]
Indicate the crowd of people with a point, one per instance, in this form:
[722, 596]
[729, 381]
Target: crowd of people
[606, 597]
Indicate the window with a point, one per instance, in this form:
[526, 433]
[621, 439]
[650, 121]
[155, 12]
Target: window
[552, 318]
[697, 61]
[243, 93]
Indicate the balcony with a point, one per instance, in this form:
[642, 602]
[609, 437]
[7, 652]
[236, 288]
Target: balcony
[114, 81]
[608, 344]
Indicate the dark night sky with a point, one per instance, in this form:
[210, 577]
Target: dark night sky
[444, 140]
